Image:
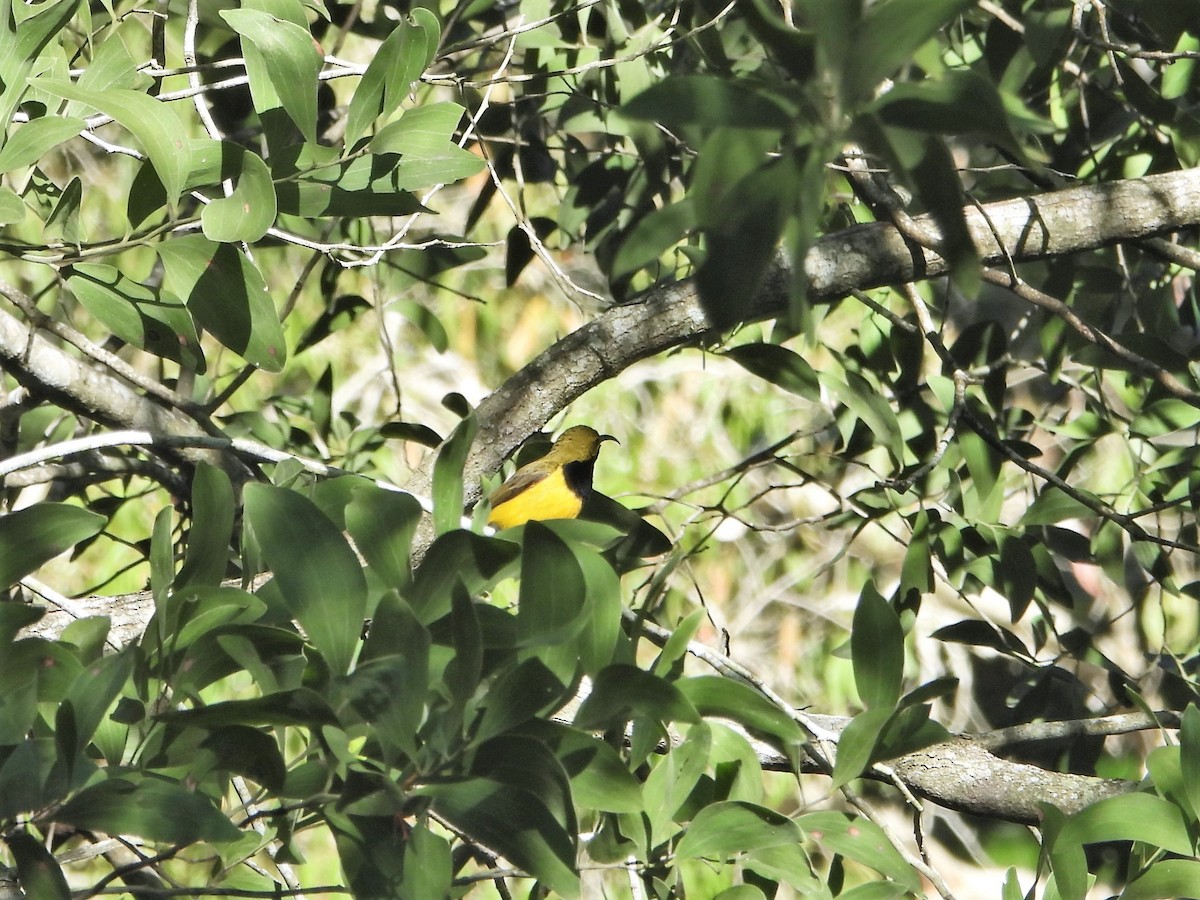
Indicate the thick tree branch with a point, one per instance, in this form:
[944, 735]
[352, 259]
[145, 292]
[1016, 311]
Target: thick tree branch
[866, 256]
[51, 373]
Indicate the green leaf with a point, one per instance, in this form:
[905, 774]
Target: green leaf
[151, 808]
[1052, 505]
[249, 752]
[30, 142]
[867, 406]
[35, 535]
[12, 207]
[877, 651]
[424, 137]
[213, 507]
[24, 33]
[291, 60]
[227, 295]
[423, 132]
[382, 524]
[653, 236]
[1164, 417]
[857, 743]
[728, 828]
[599, 777]
[520, 693]
[63, 223]
[713, 695]
[888, 36]
[958, 102]
[1167, 879]
[156, 126]
[398, 62]
[861, 840]
[301, 706]
[32, 776]
[247, 213]
[14, 617]
[37, 869]
[428, 863]
[155, 321]
[515, 823]
[318, 575]
[1018, 574]
[743, 241]
[622, 692]
[553, 589]
[456, 557]
[709, 101]
[780, 366]
[88, 700]
[314, 181]
[390, 692]
[448, 477]
[1189, 756]
[740, 892]
[672, 780]
[1130, 817]
[596, 643]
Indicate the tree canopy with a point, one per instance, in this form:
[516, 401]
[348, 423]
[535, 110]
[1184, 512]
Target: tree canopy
[891, 304]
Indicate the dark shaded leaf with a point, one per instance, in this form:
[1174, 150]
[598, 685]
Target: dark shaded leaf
[35, 535]
[213, 509]
[153, 809]
[318, 576]
[877, 651]
[780, 366]
[729, 828]
[37, 869]
[622, 692]
[709, 102]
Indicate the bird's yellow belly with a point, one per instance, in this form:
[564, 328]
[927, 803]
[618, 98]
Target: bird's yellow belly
[550, 498]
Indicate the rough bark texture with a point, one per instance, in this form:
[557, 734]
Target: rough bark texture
[963, 775]
[51, 373]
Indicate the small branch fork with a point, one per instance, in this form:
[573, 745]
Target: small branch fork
[921, 235]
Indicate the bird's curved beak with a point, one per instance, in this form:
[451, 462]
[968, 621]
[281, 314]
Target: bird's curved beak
[608, 437]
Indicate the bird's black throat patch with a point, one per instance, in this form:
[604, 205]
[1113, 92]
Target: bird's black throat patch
[578, 476]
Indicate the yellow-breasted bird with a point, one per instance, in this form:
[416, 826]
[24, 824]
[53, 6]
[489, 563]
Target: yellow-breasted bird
[553, 487]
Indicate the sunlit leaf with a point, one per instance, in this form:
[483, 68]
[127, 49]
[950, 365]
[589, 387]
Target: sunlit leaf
[226, 293]
[291, 59]
[154, 124]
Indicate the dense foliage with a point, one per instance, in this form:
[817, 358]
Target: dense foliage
[931, 264]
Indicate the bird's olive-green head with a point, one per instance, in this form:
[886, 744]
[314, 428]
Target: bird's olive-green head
[578, 443]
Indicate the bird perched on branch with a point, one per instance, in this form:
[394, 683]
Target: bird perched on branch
[553, 487]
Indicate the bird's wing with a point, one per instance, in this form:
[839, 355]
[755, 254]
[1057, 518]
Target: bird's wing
[522, 480]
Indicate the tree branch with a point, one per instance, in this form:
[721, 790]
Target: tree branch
[49, 372]
[865, 256]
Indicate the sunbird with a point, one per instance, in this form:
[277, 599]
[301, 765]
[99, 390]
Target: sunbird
[553, 487]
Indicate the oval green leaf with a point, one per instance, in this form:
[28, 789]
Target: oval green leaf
[35, 535]
[227, 295]
[247, 213]
[728, 828]
[291, 59]
[318, 575]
